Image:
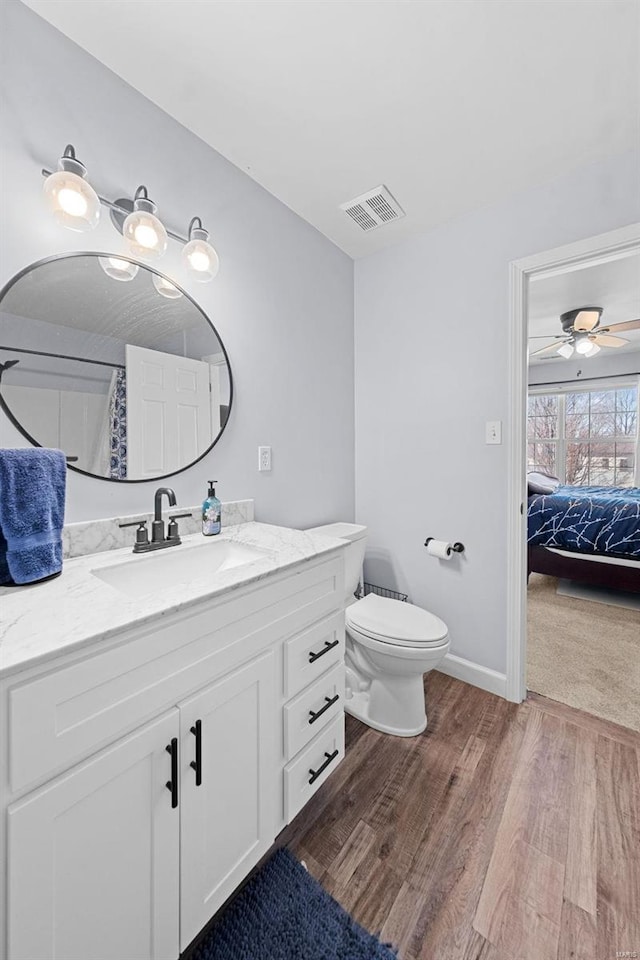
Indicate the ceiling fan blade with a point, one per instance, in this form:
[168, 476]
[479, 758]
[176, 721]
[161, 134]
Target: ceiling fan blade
[626, 325]
[604, 340]
[548, 349]
[586, 320]
[547, 336]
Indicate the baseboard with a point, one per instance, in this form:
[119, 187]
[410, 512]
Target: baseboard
[475, 674]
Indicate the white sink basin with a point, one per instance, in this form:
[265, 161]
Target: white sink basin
[183, 564]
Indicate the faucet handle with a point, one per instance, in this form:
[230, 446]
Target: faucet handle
[142, 534]
[172, 530]
[132, 523]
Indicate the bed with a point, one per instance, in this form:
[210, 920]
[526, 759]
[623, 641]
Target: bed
[588, 534]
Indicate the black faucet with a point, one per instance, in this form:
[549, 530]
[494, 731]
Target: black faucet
[158, 539]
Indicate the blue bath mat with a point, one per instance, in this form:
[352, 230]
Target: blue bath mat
[284, 914]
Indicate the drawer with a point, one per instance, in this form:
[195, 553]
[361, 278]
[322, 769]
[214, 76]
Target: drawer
[313, 709]
[311, 653]
[310, 769]
[64, 715]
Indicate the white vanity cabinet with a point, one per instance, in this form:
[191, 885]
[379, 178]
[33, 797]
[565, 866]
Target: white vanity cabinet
[143, 778]
[83, 849]
[229, 814]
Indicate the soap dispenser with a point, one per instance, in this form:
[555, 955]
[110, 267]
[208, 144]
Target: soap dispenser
[211, 512]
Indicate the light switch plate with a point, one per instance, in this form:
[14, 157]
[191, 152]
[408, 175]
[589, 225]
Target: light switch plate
[264, 459]
[493, 431]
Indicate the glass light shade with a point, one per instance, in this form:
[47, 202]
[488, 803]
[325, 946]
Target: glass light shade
[118, 269]
[145, 234]
[72, 200]
[592, 352]
[166, 288]
[201, 260]
[566, 350]
[583, 346]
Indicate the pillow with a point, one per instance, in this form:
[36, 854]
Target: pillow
[544, 483]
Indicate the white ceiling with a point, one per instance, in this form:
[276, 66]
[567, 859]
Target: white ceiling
[614, 286]
[451, 103]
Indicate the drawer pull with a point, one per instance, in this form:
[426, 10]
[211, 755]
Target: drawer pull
[172, 784]
[329, 702]
[316, 773]
[327, 646]
[197, 763]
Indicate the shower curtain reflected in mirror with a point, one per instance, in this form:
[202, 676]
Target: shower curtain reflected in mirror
[110, 455]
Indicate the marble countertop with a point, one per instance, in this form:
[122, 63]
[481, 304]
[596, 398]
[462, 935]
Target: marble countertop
[39, 622]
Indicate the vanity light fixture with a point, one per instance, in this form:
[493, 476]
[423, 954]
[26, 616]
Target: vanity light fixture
[119, 269]
[566, 350]
[76, 205]
[71, 198]
[145, 234]
[165, 288]
[201, 260]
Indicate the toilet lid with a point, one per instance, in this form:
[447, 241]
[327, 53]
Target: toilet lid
[395, 621]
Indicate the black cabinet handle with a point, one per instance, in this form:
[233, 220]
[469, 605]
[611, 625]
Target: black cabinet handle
[327, 646]
[197, 763]
[329, 702]
[316, 773]
[172, 784]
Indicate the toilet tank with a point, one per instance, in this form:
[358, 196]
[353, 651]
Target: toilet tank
[356, 534]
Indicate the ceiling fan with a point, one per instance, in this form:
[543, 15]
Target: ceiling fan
[583, 333]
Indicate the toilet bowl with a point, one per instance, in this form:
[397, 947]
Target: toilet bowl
[390, 646]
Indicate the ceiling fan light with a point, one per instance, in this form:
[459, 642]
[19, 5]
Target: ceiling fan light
[583, 346]
[591, 352]
[566, 350]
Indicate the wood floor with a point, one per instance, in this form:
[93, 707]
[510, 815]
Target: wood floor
[504, 832]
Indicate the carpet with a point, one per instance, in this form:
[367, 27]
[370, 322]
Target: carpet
[284, 914]
[585, 591]
[583, 654]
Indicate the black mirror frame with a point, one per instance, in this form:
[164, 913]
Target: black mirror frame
[92, 253]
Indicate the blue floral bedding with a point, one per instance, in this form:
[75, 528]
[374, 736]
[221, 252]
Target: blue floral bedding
[604, 520]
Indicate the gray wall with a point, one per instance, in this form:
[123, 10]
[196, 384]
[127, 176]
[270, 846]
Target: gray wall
[431, 323]
[283, 301]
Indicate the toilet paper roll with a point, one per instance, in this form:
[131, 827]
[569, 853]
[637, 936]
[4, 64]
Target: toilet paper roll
[440, 549]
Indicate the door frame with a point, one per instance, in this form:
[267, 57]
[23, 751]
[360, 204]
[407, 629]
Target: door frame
[574, 256]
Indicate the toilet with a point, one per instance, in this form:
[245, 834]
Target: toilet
[390, 645]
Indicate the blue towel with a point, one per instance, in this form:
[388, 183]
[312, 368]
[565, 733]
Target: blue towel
[32, 491]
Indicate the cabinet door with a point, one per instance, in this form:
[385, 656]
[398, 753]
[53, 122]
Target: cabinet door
[93, 857]
[228, 820]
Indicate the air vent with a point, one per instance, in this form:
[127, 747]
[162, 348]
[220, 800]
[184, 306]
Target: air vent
[373, 209]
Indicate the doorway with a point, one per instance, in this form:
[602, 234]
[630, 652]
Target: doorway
[546, 268]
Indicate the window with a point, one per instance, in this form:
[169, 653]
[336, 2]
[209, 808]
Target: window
[585, 437]
[542, 433]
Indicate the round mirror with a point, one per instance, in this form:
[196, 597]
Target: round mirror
[113, 363]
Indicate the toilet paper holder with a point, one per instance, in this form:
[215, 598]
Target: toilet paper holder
[457, 547]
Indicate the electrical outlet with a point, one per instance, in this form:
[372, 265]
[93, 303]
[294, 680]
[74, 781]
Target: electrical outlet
[264, 459]
[493, 431]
